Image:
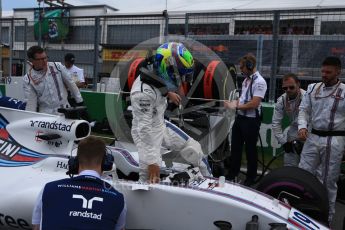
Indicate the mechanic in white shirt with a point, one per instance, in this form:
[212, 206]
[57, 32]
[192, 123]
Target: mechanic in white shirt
[323, 108]
[77, 73]
[46, 83]
[287, 105]
[248, 120]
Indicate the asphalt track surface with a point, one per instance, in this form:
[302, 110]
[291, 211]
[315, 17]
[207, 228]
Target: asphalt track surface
[339, 217]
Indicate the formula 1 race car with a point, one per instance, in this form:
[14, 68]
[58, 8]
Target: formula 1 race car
[35, 148]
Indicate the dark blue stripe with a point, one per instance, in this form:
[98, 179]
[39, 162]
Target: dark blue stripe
[53, 73]
[3, 119]
[207, 165]
[28, 152]
[329, 139]
[236, 198]
[3, 123]
[177, 130]
[128, 156]
[14, 163]
[30, 155]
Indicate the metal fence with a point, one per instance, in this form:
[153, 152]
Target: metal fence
[283, 41]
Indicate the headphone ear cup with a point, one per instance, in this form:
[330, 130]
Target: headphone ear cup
[73, 166]
[108, 161]
[249, 65]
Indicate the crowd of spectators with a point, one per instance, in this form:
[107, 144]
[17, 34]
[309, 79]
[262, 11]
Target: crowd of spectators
[289, 30]
[245, 30]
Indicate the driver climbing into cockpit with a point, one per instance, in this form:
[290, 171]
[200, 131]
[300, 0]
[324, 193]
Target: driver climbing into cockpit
[172, 65]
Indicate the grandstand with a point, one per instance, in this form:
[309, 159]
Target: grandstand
[293, 36]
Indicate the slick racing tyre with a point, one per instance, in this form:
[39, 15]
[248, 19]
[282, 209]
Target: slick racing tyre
[302, 190]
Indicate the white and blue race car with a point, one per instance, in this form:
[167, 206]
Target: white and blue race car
[35, 148]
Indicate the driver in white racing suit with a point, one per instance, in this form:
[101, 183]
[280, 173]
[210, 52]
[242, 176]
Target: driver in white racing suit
[149, 101]
[45, 84]
[324, 104]
[287, 105]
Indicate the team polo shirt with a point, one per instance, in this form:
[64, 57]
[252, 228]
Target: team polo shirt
[77, 74]
[82, 202]
[259, 88]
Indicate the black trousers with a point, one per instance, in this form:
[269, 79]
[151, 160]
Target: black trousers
[244, 131]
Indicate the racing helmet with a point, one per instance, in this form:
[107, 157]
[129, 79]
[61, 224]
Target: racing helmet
[174, 63]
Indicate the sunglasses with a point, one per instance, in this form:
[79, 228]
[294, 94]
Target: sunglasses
[291, 87]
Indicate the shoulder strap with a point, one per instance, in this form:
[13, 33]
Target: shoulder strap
[312, 89]
[27, 79]
[299, 98]
[141, 88]
[56, 66]
[283, 100]
[152, 79]
[257, 112]
[52, 71]
[251, 87]
[30, 82]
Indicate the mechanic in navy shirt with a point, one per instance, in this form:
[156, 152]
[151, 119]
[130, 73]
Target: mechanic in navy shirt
[10, 102]
[82, 202]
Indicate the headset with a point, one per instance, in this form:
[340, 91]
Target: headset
[249, 64]
[73, 163]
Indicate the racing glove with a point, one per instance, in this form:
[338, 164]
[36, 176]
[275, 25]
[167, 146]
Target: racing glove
[80, 104]
[287, 147]
[297, 146]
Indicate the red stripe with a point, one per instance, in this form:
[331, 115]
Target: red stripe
[132, 71]
[24, 158]
[294, 223]
[4, 134]
[208, 79]
[185, 88]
